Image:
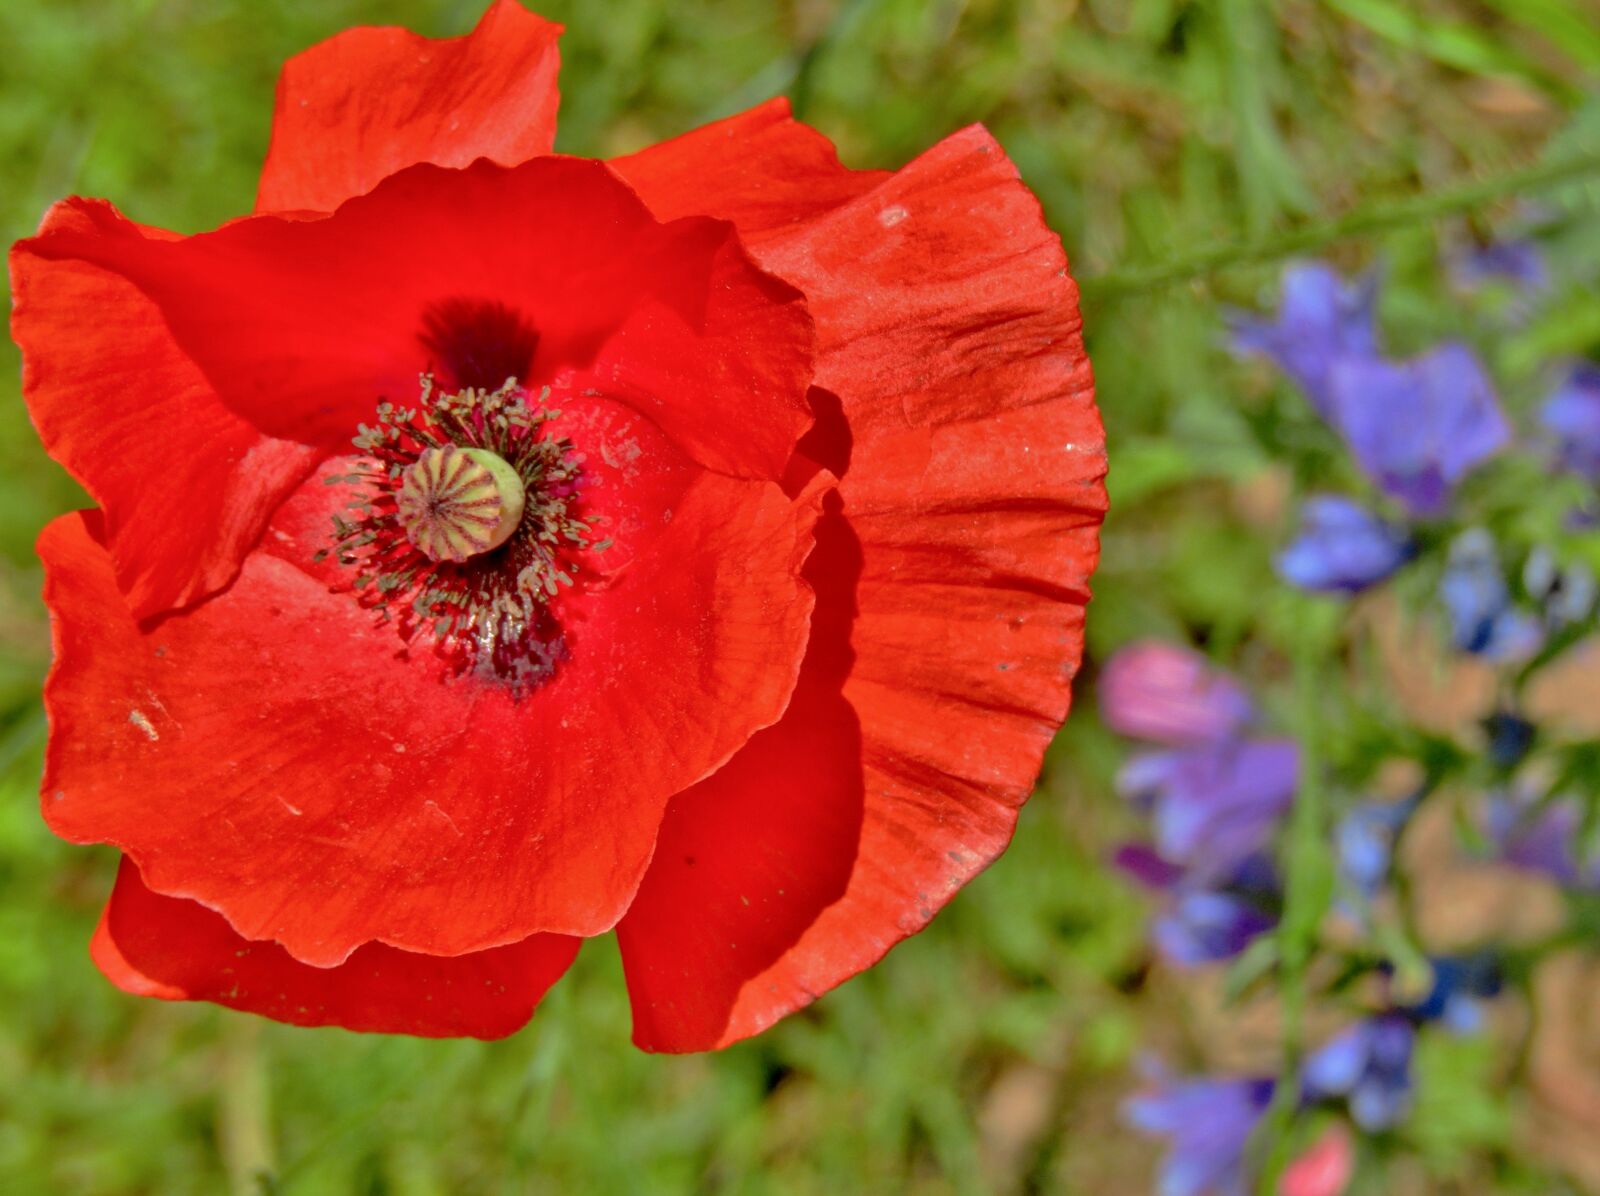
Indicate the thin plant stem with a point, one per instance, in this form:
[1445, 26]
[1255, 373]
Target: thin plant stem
[1400, 213]
[1308, 887]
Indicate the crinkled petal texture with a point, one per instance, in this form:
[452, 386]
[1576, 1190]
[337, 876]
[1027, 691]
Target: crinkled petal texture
[360, 106]
[187, 484]
[951, 577]
[761, 169]
[155, 946]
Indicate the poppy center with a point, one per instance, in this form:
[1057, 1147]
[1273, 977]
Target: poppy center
[456, 502]
[465, 524]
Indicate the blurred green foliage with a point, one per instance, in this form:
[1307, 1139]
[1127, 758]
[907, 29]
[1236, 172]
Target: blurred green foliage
[989, 1054]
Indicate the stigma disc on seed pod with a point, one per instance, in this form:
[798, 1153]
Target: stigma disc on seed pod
[455, 503]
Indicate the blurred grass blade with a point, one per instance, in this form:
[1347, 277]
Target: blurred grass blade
[1268, 176]
[1572, 29]
[1464, 47]
[1417, 209]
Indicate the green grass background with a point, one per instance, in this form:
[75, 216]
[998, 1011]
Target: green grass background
[989, 1054]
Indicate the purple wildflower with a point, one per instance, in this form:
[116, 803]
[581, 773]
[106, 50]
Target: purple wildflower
[1474, 592]
[1207, 1123]
[1510, 738]
[1321, 320]
[1145, 864]
[1342, 548]
[1572, 417]
[1565, 594]
[1418, 427]
[1368, 1064]
[1543, 837]
[1204, 919]
[1215, 806]
[1171, 695]
[1205, 926]
[1517, 261]
[1364, 842]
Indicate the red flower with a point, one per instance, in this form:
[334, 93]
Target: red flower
[721, 584]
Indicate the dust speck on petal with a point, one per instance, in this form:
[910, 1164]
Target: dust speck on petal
[892, 215]
[434, 807]
[138, 719]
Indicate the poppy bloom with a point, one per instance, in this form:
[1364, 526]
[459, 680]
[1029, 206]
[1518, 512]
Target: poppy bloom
[496, 548]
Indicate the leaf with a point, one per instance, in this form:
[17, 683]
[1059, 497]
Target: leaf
[1459, 1110]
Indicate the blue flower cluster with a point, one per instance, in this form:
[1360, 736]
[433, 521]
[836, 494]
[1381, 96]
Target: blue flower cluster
[1416, 429]
[1214, 788]
[1364, 843]
[1365, 1069]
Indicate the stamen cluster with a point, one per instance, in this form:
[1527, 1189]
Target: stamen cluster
[489, 613]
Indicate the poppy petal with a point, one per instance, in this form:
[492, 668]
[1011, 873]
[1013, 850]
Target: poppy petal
[155, 946]
[187, 484]
[302, 326]
[278, 756]
[746, 862]
[373, 100]
[761, 169]
[748, 858]
[948, 326]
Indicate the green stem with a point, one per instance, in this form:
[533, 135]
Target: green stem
[244, 1121]
[1417, 209]
[1308, 889]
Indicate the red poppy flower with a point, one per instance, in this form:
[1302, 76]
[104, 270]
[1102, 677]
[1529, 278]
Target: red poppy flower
[497, 548]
